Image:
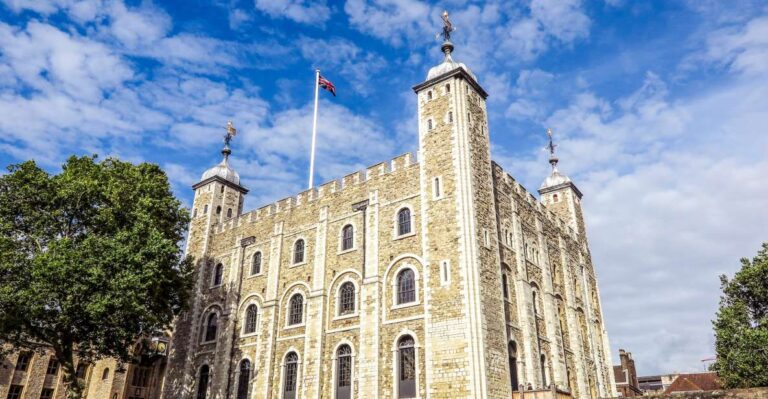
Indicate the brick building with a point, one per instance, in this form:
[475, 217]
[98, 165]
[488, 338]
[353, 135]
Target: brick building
[625, 375]
[439, 278]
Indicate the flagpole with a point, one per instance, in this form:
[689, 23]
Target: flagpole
[314, 132]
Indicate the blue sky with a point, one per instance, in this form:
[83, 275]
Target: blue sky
[659, 108]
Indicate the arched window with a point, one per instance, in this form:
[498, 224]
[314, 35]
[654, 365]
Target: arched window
[344, 372]
[448, 88]
[202, 382]
[251, 315]
[244, 380]
[347, 237]
[347, 298]
[218, 210]
[544, 371]
[105, 374]
[406, 287]
[211, 325]
[256, 264]
[298, 251]
[406, 384]
[554, 198]
[403, 221]
[229, 213]
[291, 375]
[512, 348]
[535, 304]
[429, 95]
[504, 288]
[296, 311]
[218, 274]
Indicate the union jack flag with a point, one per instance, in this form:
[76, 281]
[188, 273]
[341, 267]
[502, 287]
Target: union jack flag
[327, 85]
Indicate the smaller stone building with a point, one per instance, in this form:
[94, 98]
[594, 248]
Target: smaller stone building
[33, 375]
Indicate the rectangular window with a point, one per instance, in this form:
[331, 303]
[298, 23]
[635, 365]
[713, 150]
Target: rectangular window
[15, 391]
[450, 117]
[47, 393]
[141, 376]
[53, 366]
[23, 361]
[486, 238]
[445, 272]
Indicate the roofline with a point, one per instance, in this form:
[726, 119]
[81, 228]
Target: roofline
[457, 71]
[223, 181]
[561, 186]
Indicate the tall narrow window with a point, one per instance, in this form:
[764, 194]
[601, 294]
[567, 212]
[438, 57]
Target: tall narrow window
[429, 95]
[218, 210]
[450, 117]
[406, 287]
[347, 298]
[105, 374]
[251, 315]
[429, 124]
[81, 369]
[229, 213]
[535, 305]
[504, 287]
[403, 221]
[202, 382]
[448, 88]
[436, 189]
[544, 371]
[406, 384]
[23, 361]
[244, 380]
[347, 237]
[445, 272]
[218, 274]
[298, 251]
[296, 311]
[53, 366]
[256, 263]
[344, 372]
[291, 375]
[205, 209]
[211, 325]
[15, 391]
[512, 348]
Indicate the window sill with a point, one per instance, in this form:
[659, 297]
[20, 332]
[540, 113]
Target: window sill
[215, 286]
[406, 305]
[346, 251]
[298, 264]
[250, 335]
[293, 326]
[346, 316]
[411, 234]
[256, 275]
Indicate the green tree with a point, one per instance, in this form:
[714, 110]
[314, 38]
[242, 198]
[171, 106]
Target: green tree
[89, 259]
[741, 327]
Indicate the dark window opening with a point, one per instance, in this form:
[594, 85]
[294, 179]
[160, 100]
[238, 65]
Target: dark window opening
[23, 361]
[53, 366]
[296, 313]
[211, 326]
[406, 387]
[218, 274]
[347, 237]
[251, 315]
[298, 251]
[404, 221]
[291, 375]
[347, 298]
[256, 265]
[244, 379]
[406, 287]
[202, 382]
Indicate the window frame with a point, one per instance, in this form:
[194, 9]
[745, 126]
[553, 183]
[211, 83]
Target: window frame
[294, 252]
[239, 394]
[412, 223]
[217, 279]
[336, 359]
[398, 361]
[340, 300]
[395, 287]
[342, 238]
[285, 370]
[253, 262]
[289, 312]
[247, 320]
[206, 327]
[198, 381]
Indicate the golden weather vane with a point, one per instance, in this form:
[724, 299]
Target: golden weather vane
[231, 132]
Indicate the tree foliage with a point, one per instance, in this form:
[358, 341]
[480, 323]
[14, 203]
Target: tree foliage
[741, 327]
[89, 259]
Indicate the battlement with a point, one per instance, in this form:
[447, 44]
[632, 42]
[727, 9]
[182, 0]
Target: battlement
[531, 199]
[333, 187]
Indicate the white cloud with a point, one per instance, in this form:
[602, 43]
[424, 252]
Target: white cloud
[394, 21]
[303, 11]
[342, 57]
[742, 48]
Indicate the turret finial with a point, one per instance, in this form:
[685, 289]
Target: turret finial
[551, 147]
[231, 132]
[448, 27]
